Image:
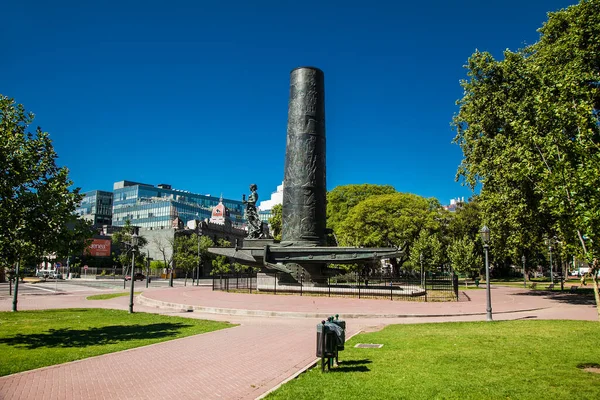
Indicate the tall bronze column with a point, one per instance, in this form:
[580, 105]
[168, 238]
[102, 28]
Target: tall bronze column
[304, 191]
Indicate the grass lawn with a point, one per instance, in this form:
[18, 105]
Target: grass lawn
[108, 296]
[34, 339]
[525, 359]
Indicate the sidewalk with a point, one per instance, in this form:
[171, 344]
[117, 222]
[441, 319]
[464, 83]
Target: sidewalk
[246, 361]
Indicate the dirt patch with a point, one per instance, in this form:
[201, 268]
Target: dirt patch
[369, 329]
[593, 368]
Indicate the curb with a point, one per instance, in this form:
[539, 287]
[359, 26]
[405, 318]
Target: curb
[288, 314]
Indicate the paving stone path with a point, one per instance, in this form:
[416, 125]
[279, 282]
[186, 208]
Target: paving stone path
[275, 340]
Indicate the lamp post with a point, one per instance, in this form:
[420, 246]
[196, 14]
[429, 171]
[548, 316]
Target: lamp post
[134, 238]
[550, 242]
[16, 291]
[524, 275]
[485, 238]
[422, 270]
[198, 268]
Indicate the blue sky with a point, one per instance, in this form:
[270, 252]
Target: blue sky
[194, 93]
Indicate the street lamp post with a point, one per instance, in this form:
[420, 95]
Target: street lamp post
[134, 238]
[16, 291]
[524, 274]
[198, 267]
[485, 238]
[422, 270]
[147, 267]
[550, 251]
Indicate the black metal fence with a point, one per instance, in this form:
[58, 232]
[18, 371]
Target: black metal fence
[411, 287]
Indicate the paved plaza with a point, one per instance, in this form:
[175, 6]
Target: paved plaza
[274, 341]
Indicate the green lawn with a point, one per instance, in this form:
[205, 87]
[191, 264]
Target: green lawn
[108, 296]
[34, 339]
[525, 359]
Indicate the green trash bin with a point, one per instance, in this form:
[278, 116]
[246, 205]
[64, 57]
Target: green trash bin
[342, 324]
[326, 341]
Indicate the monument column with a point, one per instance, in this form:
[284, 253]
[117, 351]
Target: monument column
[304, 190]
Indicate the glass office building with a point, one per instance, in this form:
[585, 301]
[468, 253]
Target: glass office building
[96, 206]
[153, 207]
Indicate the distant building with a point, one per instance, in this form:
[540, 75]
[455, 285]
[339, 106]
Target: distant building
[455, 204]
[265, 207]
[96, 207]
[218, 226]
[153, 208]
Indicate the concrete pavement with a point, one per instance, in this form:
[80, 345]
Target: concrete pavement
[274, 341]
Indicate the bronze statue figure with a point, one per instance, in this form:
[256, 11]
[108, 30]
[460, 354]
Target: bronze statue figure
[254, 222]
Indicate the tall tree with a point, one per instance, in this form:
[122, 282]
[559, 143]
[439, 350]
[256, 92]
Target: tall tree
[388, 220]
[186, 253]
[275, 221]
[343, 198]
[36, 202]
[530, 132]
[427, 250]
[464, 259]
[220, 265]
[124, 240]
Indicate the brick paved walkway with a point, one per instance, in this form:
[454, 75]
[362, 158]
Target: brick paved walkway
[246, 361]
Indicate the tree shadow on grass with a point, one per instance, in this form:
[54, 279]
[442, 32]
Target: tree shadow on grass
[68, 338]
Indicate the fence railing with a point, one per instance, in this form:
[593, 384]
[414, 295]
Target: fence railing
[430, 287]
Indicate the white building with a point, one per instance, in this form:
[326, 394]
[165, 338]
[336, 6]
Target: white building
[265, 207]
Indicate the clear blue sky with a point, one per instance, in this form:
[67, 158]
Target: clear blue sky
[194, 93]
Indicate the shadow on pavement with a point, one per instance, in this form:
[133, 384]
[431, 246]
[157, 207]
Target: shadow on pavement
[564, 297]
[67, 338]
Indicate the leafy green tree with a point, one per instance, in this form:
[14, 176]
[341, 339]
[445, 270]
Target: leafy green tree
[428, 251]
[221, 242]
[240, 268]
[275, 221]
[529, 130]
[36, 203]
[156, 266]
[467, 220]
[343, 198]
[205, 243]
[123, 239]
[221, 265]
[464, 259]
[389, 220]
[75, 239]
[186, 253]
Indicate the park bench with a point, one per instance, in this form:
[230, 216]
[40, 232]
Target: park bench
[533, 285]
[574, 289]
[550, 286]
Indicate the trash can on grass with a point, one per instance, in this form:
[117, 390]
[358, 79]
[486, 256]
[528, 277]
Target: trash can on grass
[342, 324]
[326, 341]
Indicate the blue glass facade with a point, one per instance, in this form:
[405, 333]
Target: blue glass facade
[96, 206]
[152, 207]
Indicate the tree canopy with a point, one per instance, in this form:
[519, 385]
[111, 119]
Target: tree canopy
[123, 239]
[36, 202]
[388, 220]
[529, 129]
[342, 199]
[275, 221]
